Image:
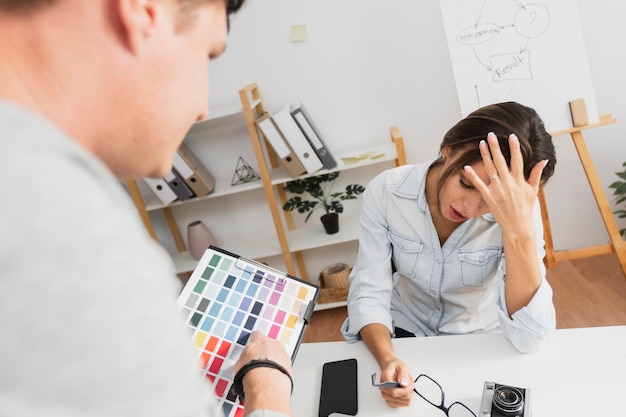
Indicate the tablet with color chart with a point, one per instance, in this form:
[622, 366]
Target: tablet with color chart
[225, 299]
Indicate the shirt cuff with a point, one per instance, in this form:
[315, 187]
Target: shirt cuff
[532, 326]
[350, 337]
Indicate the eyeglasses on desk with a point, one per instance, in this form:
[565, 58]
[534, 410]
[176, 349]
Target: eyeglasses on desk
[433, 394]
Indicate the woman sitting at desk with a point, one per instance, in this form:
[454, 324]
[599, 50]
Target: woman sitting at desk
[455, 245]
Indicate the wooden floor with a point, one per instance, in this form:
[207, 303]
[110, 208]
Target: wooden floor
[588, 292]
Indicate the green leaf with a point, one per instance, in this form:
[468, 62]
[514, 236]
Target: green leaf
[295, 187]
[619, 191]
[336, 206]
[292, 203]
[355, 189]
[319, 189]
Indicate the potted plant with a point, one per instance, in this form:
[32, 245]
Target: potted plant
[320, 189]
[619, 191]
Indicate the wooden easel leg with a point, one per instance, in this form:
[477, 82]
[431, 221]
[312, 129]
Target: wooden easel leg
[619, 246]
[550, 259]
[398, 140]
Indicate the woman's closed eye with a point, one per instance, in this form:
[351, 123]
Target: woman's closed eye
[465, 184]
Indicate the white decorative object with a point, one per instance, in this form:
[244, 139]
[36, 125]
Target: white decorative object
[199, 238]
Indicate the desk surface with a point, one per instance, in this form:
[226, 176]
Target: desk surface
[582, 372]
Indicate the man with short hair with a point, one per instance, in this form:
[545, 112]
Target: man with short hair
[92, 91]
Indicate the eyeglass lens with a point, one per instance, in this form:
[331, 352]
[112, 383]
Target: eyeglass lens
[431, 391]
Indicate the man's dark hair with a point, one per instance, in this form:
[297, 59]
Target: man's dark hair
[233, 5]
[25, 6]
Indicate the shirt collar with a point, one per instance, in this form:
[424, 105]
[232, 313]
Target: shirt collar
[413, 185]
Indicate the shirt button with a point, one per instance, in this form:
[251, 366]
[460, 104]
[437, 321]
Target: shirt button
[438, 261]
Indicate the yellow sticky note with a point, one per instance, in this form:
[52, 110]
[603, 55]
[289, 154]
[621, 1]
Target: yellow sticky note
[349, 160]
[298, 33]
[354, 159]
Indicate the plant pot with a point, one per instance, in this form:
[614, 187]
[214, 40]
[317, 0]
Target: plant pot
[330, 222]
[199, 238]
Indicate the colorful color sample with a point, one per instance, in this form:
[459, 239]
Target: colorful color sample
[228, 297]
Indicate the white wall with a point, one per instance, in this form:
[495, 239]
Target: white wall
[370, 64]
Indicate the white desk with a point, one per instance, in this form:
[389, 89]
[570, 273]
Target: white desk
[582, 372]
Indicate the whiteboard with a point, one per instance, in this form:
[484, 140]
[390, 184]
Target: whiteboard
[514, 50]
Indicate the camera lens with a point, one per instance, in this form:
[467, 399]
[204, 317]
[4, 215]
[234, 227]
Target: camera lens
[508, 399]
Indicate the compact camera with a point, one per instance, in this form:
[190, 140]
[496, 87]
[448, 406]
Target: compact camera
[504, 401]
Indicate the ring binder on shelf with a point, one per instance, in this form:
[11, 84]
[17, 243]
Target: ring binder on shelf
[312, 134]
[300, 145]
[287, 157]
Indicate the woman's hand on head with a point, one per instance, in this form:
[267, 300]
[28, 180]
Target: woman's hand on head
[509, 195]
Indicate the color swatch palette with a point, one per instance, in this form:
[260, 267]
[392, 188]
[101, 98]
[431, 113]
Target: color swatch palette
[225, 299]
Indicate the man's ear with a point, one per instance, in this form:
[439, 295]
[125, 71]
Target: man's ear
[136, 20]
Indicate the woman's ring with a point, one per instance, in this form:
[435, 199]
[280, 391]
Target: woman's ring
[494, 176]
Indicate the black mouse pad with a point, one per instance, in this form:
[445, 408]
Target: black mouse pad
[339, 388]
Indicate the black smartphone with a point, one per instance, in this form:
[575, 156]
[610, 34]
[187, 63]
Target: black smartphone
[339, 388]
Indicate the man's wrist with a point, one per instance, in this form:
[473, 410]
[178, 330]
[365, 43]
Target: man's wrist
[255, 369]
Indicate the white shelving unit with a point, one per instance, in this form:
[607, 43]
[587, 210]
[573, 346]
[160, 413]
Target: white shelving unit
[295, 240]
[285, 239]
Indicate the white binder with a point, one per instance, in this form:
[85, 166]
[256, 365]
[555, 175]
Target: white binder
[161, 189]
[288, 158]
[300, 145]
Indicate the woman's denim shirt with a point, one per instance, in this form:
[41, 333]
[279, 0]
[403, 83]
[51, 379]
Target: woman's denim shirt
[456, 288]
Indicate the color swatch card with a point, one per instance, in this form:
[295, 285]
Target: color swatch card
[226, 298]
